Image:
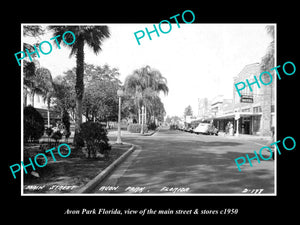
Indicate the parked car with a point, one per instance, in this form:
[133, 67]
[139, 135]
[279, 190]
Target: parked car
[206, 128]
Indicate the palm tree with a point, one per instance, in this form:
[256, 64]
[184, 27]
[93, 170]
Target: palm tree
[45, 87]
[267, 62]
[93, 36]
[144, 84]
[39, 82]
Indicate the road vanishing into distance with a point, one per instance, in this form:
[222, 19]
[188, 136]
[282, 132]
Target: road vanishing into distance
[176, 162]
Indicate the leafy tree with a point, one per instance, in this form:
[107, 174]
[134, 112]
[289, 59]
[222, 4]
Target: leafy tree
[64, 93]
[100, 100]
[33, 124]
[93, 36]
[188, 111]
[173, 120]
[33, 31]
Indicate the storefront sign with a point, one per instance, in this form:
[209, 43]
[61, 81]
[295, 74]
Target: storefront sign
[246, 98]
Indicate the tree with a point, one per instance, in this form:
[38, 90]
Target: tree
[173, 120]
[100, 100]
[188, 111]
[33, 124]
[268, 59]
[40, 82]
[64, 92]
[46, 87]
[93, 36]
[267, 62]
[33, 31]
[143, 84]
[66, 122]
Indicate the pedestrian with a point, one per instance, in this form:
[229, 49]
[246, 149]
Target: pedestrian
[227, 128]
[230, 129]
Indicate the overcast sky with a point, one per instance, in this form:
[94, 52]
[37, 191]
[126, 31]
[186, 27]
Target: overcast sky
[198, 60]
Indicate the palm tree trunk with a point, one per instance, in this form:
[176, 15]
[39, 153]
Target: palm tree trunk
[48, 115]
[145, 115]
[139, 115]
[25, 92]
[79, 86]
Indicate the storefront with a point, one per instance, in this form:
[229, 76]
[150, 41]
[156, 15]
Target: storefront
[245, 122]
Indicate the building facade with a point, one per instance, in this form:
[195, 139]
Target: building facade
[258, 116]
[254, 112]
[40, 104]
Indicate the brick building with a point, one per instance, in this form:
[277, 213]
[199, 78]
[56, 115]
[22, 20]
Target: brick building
[257, 117]
[256, 114]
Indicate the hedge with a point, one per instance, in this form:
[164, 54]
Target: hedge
[136, 128]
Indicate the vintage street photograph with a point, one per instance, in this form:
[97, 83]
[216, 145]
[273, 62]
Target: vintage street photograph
[148, 109]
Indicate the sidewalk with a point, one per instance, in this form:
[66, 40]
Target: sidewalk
[245, 136]
[125, 133]
[260, 140]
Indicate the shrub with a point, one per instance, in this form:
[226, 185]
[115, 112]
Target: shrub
[33, 124]
[173, 127]
[57, 135]
[152, 126]
[95, 138]
[49, 131]
[136, 128]
[66, 121]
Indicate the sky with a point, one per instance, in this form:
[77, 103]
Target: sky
[198, 60]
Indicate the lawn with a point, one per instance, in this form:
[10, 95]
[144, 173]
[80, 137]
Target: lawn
[67, 174]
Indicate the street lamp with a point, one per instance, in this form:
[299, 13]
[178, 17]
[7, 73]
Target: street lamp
[143, 111]
[120, 94]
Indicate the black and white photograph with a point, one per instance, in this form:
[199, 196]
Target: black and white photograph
[144, 109]
[138, 112]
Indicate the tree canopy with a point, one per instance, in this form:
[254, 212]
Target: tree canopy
[188, 111]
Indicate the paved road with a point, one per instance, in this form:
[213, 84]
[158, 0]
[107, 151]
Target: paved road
[177, 162]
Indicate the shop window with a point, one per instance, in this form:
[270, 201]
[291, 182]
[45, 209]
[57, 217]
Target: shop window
[246, 110]
[257, 109]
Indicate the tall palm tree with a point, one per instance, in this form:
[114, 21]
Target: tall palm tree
[93, 36]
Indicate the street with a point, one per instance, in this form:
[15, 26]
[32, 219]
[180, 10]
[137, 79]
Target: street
[173, 161]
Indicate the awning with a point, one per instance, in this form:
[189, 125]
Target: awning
[44, 113]
[236, 115]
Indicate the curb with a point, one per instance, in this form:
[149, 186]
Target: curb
[153, 132]
[100, 177]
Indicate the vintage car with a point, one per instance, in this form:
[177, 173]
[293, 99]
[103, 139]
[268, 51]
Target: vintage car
[206, 128]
